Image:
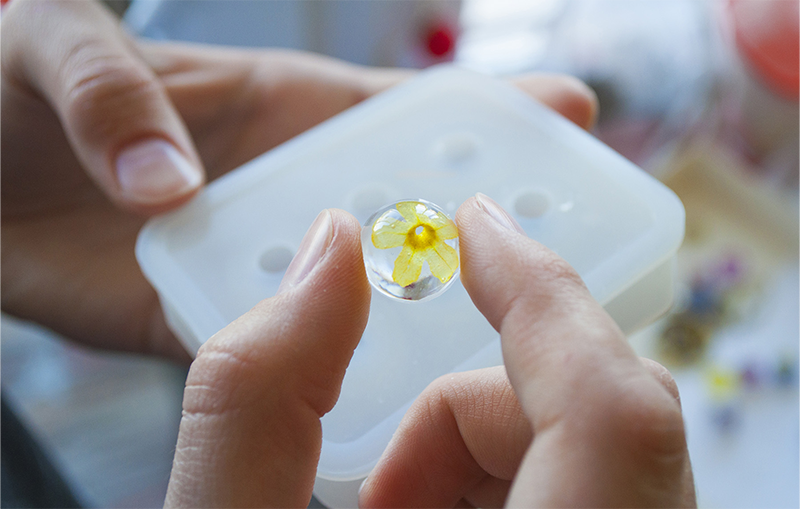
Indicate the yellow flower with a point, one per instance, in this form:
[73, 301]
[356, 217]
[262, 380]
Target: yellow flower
[422, 237]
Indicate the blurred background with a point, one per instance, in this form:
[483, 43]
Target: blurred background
[701, 94]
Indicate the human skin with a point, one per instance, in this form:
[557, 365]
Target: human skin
[77, 92]
[579, 421]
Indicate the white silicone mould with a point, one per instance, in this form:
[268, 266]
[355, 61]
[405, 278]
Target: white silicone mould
[442, 136]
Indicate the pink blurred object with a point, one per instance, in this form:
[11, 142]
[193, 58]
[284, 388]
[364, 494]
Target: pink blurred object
[760, 113]
[767, 35]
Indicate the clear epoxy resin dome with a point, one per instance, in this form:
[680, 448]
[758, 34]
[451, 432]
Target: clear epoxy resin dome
[410, 250]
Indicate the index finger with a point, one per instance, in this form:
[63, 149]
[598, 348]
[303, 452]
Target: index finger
[600, 419]
[115, 112]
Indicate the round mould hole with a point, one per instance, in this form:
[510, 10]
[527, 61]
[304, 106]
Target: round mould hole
[276, 259]
[532, 203]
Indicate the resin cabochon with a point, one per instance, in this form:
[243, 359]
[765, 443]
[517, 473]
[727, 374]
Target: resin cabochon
[381, 262]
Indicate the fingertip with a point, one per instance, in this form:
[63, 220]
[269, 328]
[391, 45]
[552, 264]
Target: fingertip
[495, 249]
[463, 211]
[328, 256]
[579, 102]
[377, 80]
[347, 221]
[475, 211]
[153, 176]
[347, 259]
[663, 377]
[348, 229]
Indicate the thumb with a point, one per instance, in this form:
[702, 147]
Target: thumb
[114, 110]
[250, 435]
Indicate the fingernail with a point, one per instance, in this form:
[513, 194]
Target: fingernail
[497, 213]
[154, 171]
[313, 246]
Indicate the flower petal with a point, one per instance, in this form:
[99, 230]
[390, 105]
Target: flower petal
[447, 231]
[388, 234]
[444, 226]
[409, 211]
[438, 220]
[407, 266]
[443, 261]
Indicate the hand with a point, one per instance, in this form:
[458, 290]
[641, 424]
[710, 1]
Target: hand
[80, 101]
[581, 423]
[250, 433]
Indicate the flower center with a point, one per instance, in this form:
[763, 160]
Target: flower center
[421, 237]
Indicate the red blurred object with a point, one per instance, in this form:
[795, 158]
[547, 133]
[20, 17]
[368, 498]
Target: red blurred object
[440, 40]
[3, 2]
[768, 38]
